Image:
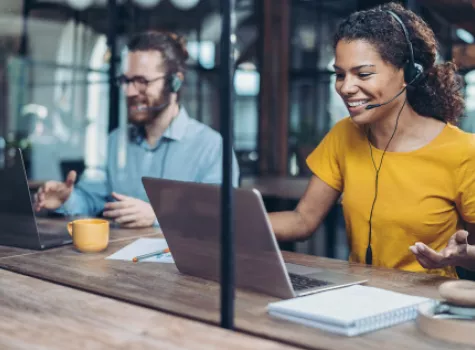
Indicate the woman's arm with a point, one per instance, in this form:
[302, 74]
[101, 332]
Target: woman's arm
[309, 214]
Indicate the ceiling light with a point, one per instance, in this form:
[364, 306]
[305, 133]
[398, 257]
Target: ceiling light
[79, 4]
[464, 35]
[147, 3]
[185, 4]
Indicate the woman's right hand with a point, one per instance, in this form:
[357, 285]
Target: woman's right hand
[458, 252]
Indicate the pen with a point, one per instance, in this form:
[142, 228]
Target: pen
[145, 256]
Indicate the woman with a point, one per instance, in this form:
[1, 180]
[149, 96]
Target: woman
[406, 172]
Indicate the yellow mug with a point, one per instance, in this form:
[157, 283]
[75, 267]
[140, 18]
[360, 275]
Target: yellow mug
[89, 235]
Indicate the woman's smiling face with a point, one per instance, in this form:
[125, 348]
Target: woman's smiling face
[363, 78]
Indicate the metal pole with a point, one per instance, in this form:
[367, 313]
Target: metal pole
[24, 35]
[74, 88]
[226, 124]
[113, 88]
[199, 80]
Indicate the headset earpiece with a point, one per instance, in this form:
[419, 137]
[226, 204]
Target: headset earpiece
[412, 73]
[175, 83]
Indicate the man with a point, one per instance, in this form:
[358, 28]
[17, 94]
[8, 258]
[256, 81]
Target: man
[162, 141]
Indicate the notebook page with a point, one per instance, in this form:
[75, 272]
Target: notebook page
[144, 246]
[345, 306]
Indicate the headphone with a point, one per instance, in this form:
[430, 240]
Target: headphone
[174, 83]
[413, 72]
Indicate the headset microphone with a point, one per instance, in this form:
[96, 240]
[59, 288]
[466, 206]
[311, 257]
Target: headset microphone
[387, 102]
[413, 71]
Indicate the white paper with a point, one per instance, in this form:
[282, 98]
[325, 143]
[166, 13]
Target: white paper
[144, 246]
[347, 305]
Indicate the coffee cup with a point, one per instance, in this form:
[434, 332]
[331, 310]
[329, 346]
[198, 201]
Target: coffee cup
[89, 235]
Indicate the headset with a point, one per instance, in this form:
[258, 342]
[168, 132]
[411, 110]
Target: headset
[173, 84]
[413, 72]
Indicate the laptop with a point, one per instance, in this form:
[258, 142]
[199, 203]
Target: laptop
[189, 216]
[20, 227]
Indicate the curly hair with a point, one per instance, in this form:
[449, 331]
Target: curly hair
[438, 93]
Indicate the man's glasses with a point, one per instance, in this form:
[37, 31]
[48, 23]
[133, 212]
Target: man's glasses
[140, 83]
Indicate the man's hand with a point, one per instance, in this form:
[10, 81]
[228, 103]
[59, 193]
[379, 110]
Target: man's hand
[54, 193]
[129, 212]
[457, 253]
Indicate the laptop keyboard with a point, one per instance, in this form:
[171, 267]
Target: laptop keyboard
[300, 282]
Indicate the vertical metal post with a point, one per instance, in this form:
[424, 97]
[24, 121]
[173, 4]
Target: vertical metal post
[22, 90]
[199, 80]
[77, 119]
[112, 42]
[282, 145]
[24, 35]
[226, 124]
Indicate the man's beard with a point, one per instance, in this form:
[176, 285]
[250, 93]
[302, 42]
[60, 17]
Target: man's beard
[149, 111]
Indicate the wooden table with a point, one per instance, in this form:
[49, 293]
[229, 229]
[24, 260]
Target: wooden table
[116, 234]
[38, 314]
[163, 287]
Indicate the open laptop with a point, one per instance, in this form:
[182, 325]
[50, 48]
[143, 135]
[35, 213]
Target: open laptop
[19, 225]
[189, 215]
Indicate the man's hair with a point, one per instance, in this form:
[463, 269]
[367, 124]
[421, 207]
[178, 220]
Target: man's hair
[170, 45]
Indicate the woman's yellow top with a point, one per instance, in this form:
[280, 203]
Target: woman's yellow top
[423, 195]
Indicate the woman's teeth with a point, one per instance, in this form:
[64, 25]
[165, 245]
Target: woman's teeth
[357, 103]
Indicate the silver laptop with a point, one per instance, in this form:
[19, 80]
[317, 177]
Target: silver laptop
[189, 216]
[20, 227]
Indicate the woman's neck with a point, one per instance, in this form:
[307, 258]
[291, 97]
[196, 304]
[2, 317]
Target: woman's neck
[413, 130]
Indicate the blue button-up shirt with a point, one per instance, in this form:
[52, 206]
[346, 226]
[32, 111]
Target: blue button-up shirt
[187, 151]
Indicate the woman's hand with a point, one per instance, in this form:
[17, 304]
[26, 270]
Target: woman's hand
[457, 253]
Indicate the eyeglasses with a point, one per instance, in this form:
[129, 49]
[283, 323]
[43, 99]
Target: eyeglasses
[140, 83]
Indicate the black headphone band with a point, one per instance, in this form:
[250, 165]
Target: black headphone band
[406, 35]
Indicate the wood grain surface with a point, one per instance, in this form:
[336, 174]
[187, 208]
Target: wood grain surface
[40, 315]
[163, 287]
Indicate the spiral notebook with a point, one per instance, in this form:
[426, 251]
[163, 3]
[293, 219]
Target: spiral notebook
[350, 311]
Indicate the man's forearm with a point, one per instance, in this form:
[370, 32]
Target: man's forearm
[83, 201]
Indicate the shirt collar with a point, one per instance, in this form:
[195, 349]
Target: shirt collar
[177, 128]
[175, 131]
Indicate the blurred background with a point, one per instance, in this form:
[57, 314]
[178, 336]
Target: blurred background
[58, 101]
